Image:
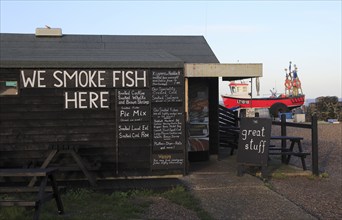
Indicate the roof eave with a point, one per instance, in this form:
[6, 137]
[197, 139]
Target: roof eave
[91, 64]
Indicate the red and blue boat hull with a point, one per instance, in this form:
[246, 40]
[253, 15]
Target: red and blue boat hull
[237, 102]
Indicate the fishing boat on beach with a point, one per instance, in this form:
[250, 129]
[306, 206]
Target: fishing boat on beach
[293, 96]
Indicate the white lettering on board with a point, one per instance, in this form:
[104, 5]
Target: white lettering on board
[70, 77]
[143, 78]
[27, 80]
[254, 133]
[115, 72]
[68, 99]
[86, 100]
[83, 81]
[40, 79]
[103, 100]
[83, 78]
[81, 100]
[100, 78]
[92, 98]
[259, 133]
[129, 78]
[58, 79]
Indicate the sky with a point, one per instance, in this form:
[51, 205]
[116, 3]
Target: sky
[308, 33]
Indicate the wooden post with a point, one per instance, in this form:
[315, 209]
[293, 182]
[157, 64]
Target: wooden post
[236, 119]
[283, 133]
[314, 139]
[187, 121]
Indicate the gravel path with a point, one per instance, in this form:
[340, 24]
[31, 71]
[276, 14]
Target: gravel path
[321, 197]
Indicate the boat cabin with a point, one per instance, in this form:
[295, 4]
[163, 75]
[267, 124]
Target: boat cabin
[239, 89]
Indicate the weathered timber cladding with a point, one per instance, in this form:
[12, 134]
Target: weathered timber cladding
[113, 141]
[33, 120]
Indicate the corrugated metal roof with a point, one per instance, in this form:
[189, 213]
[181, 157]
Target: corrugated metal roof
[27, 50]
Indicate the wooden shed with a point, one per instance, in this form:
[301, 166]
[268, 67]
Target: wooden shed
[107, 106]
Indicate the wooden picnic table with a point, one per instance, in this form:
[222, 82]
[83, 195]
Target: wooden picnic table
[287, 152]
[71, 149]
[43, 174]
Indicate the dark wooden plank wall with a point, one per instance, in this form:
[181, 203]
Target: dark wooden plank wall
[36, 118]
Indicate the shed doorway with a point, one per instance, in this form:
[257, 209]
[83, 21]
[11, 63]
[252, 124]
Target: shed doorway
[202, 118]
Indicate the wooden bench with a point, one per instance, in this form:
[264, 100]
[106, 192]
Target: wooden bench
[43, 191]
[288, 152]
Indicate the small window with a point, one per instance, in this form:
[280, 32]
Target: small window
[244, 89]
[8, 87]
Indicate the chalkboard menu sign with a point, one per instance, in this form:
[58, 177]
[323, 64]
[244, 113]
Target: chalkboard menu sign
[168, 137]
[167, 86]
[133, 97]
[167, 94]
[168, 128]
[133, 115]
[133, 130]
[167, 161]
[167, 78]
[254, 141]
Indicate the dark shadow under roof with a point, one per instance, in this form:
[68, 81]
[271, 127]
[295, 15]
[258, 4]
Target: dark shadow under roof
[103, 51]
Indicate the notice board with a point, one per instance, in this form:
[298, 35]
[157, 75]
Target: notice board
[254, 140]
[168, 122]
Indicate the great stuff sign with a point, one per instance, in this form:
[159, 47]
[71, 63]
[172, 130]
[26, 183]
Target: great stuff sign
[254, 141]
[84, 89]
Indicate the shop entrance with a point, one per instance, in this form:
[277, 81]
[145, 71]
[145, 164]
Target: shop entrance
[202, 104]
[202, 118]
